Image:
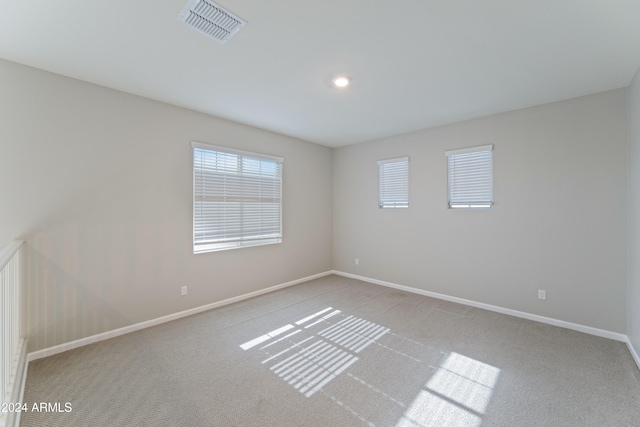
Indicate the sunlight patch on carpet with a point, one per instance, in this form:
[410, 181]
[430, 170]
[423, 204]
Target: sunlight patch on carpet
[457, 394]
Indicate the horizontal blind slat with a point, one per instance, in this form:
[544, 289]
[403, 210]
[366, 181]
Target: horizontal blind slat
[393, 183]
[470, 178]
[237, 199]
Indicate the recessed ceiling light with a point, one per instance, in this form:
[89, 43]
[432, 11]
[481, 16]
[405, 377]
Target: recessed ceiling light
[342, 81]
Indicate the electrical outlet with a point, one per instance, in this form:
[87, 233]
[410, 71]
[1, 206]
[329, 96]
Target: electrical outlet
[357, 261]
[183, 290]
[542, 294]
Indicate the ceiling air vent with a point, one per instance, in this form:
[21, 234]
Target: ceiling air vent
[211, 19]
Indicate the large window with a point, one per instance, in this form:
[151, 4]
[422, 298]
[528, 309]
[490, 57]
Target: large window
[471, 177]
[393, 190]
[237, 198]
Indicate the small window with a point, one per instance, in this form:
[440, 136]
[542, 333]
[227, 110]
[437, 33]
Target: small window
[471, 177]
[236, 198]
[394, 183]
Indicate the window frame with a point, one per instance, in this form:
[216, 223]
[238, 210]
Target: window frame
[393, 199]
[232, 186]
[476, 161]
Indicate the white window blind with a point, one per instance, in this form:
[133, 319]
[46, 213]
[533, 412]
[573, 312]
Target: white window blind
[394, 183]
[237, 198]
[471, 177]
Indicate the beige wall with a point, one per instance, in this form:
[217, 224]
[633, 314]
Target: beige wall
[558, 222]
[633, 244]
[99, 183]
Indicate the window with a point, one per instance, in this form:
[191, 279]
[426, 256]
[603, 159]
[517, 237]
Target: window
[236, 198]
[394, 183]
[471, 177]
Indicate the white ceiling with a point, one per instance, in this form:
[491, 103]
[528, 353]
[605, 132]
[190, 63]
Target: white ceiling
[414, 63]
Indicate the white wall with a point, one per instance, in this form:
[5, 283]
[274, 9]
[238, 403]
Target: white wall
[558, 223]
[633, 243]
[99, 183]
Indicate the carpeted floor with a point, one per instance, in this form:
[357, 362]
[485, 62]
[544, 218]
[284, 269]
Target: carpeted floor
[340, 352]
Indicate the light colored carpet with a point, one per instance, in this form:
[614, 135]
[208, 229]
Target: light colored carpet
[340, 352]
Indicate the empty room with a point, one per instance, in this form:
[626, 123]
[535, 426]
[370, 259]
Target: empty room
[416, 213]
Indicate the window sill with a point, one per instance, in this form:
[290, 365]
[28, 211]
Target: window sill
[215, 247]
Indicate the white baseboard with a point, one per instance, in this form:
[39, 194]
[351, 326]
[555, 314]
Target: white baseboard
[633, 352]
[561, 323]
[142, 325]
[39, 354]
